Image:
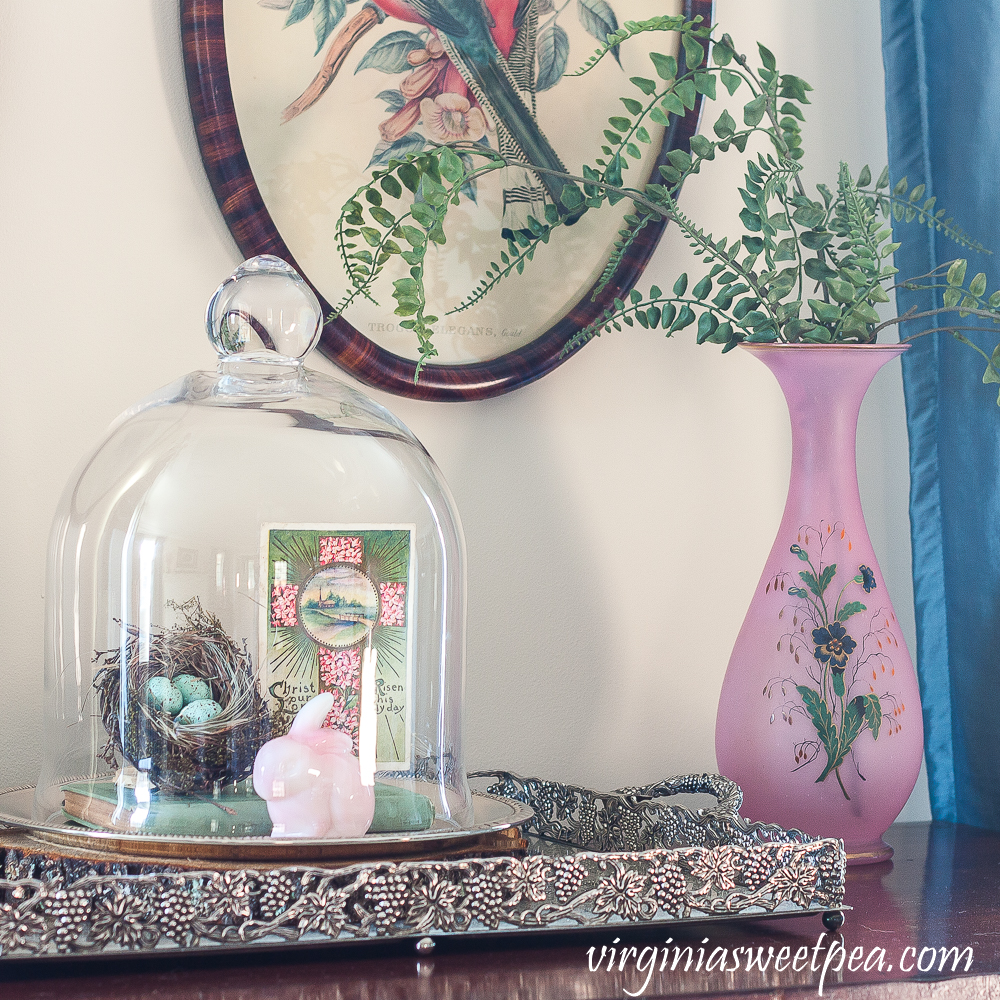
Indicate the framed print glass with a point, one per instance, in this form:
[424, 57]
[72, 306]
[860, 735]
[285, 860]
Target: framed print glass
[295, 102]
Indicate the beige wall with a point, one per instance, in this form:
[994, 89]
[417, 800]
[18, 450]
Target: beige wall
[643, 467]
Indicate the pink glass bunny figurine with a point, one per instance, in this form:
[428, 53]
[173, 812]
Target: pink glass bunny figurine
[311, 779]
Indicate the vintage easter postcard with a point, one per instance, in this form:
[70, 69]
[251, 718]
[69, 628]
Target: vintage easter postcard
[333, 593]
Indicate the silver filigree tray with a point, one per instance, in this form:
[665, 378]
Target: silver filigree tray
[594, 859]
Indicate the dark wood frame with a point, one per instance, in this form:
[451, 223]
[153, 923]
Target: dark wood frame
[250, 223]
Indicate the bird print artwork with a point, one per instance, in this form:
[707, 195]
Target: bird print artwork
[329, 93]
[463, 71]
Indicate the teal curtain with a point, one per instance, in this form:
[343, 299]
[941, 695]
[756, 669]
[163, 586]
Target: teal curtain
[942, 81]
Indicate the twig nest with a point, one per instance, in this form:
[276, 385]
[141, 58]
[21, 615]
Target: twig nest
[162, 696]
[192, 711]
[198, 712]
[192, 688]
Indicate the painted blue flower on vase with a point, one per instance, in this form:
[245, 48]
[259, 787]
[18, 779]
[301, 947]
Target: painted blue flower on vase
[837, 665]
[833, 645]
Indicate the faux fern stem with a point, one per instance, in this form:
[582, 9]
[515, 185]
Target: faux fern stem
[823, 282]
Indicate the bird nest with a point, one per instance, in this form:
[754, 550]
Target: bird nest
[178, 757]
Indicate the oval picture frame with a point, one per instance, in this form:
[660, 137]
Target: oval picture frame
[242, 205]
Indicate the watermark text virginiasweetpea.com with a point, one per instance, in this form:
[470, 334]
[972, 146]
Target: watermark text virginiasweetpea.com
[829, 955]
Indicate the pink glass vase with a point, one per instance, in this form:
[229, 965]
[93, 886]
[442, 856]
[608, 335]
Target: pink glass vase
[819, 719]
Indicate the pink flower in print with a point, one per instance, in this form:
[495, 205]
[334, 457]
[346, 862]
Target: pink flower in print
[343, 718]
[428, 77]
[393, 601]
[450, 117]
[398, 124]
[433, 74]
[284, 598]
[341, 548]
[340, 668]
[422, 78]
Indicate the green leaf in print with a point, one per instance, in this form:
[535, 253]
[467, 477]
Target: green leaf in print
[301, 9]
[327, 14]
[388, 54]
[850, 608]
[598, 19]
[412, 142]
[553, 54]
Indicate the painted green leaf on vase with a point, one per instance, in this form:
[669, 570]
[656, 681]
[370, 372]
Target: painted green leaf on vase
[872, 707]
[826, 728]
[838, 683]
[850, 608]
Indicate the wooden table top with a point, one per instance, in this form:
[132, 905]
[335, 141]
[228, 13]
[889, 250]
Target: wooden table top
[938, 897]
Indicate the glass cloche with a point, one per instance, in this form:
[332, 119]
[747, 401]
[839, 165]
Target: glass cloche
[255, 620]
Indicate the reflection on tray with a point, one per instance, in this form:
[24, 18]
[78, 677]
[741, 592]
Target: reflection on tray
[235, 812]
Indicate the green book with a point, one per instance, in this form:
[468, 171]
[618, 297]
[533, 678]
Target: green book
[237, 812]
[398, 810]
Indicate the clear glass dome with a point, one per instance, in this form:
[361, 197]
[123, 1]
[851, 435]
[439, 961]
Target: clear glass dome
[256, 604]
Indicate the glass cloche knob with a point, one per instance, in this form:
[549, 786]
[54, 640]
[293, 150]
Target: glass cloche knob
[264, 309]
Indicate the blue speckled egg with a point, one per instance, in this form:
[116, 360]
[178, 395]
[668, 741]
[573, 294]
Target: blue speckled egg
[162, 696]
[192, 688]
[198, 712]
